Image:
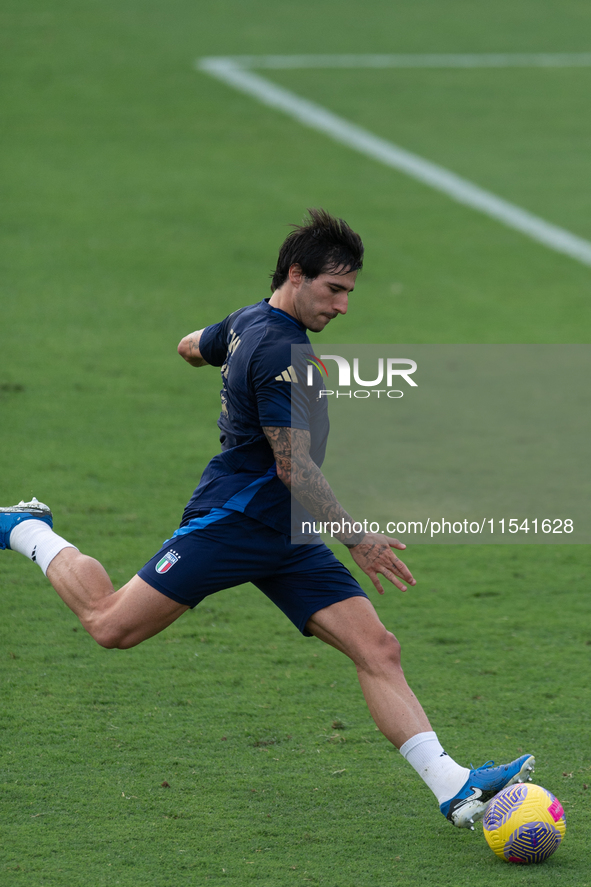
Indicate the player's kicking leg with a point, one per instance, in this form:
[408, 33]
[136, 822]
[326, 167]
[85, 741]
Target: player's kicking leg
[120, 618]
[463, 794]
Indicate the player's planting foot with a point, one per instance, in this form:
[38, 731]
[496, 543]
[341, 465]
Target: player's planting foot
[482, 785]
[15, 514]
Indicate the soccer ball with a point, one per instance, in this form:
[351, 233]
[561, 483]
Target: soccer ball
[524, 823]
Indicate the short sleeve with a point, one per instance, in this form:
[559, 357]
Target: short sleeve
[279, 388]
[213, 343]
[281, 405]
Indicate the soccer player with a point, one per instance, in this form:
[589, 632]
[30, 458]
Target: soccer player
[236, 527]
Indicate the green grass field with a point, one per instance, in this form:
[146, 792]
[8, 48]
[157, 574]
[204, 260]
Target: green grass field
[143, 199]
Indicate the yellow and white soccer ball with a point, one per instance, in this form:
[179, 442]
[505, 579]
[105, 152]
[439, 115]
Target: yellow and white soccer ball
[524, 823]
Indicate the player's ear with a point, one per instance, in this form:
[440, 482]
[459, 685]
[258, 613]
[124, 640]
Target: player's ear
[296, 275]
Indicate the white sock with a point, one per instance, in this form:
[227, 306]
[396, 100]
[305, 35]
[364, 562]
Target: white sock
[440, 772]
[37, 541]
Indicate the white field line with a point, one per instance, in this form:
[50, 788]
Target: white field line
[440, 60]
[313, 116]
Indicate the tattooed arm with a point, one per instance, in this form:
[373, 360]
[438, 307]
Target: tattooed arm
[291, 448]
[370, 551]
[188, 348]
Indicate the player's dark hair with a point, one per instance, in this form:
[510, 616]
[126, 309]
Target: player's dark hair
[320, 245]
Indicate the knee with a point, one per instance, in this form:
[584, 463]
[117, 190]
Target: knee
[391, 649]
[384, 655]
[107, 634]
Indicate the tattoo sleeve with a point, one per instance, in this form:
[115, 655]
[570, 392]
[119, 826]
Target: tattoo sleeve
[297, 470]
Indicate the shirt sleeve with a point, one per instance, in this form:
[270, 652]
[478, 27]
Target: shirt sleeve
[213, 344]
[281, 396]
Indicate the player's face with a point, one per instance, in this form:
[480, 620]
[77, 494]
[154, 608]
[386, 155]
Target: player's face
[319, 300]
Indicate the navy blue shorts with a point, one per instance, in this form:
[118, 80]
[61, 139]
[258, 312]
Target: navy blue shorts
[299, 579]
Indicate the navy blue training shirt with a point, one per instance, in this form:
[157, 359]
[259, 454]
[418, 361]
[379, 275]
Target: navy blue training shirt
[260, 388]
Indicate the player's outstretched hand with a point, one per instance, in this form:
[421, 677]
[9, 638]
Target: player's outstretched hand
[374, 555]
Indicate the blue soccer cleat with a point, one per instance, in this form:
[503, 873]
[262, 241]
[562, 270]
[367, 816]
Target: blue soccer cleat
[482, 785]
[15, 514]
